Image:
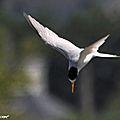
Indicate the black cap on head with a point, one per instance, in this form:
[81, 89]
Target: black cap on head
[72, 73]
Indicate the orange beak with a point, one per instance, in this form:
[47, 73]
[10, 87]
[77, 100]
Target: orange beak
[73, 86]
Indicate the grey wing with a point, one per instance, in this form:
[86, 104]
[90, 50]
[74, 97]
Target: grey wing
[65, 47]
[95, 46]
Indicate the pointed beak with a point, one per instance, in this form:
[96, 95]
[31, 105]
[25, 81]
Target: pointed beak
[73, 86]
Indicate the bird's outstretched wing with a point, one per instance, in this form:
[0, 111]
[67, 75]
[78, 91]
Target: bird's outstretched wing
[95, 46]
[65, 47]
[106, 55]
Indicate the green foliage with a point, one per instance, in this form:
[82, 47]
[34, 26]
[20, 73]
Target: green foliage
[12, 77]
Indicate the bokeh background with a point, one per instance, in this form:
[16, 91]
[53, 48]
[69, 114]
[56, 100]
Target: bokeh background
[33, 76]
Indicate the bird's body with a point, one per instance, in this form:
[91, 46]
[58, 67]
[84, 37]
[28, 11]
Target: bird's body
[77, 57]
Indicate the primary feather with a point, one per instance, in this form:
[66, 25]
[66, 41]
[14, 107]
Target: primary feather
[67, 48]
[95, 46]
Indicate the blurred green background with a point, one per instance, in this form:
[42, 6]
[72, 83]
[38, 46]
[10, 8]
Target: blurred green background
[33, 77]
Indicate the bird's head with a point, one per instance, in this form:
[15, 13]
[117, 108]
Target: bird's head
[72, 75]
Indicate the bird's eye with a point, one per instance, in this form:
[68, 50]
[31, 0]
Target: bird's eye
[72, 74]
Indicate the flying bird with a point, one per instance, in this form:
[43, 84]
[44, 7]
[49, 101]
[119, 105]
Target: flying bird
[77, 57]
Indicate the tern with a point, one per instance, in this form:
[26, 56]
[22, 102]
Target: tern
[77, 57]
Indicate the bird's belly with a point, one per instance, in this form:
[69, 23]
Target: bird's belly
[85, 57]
[81, 65]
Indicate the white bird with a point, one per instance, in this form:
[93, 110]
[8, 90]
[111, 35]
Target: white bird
[77, 57]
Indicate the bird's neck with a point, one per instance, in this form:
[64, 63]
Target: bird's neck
[72, 64]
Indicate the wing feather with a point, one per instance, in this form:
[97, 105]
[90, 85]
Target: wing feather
[65, 47]
[95, 46]
[106, 55]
